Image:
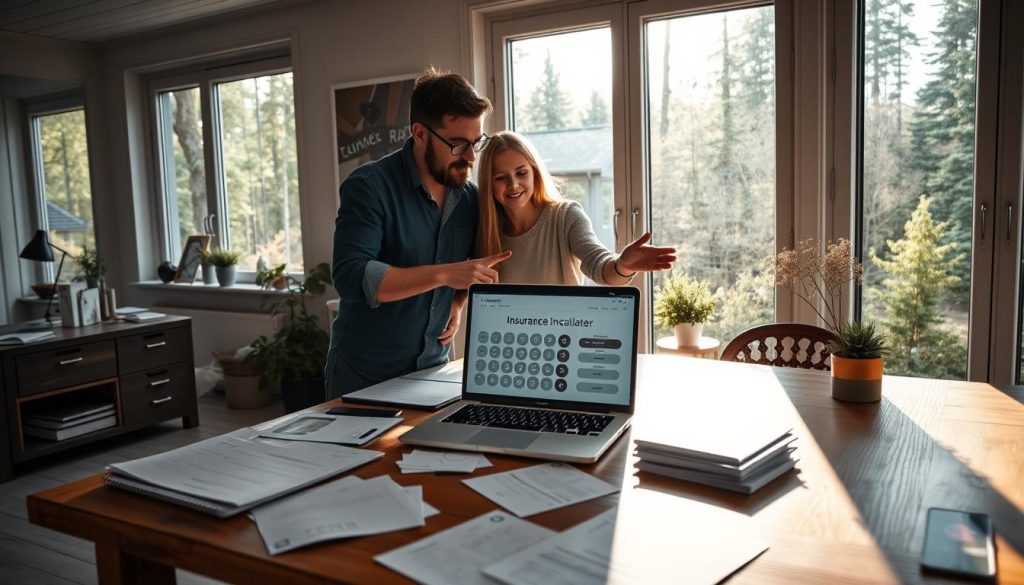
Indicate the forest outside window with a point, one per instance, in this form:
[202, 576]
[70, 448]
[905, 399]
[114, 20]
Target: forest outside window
[60, 160]
[228, 164]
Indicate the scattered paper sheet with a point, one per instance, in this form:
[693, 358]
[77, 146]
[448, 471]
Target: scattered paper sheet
[589, 554]
[532, 490]
[420, 461]
[339, 509]
[342, 430]
[458, 554]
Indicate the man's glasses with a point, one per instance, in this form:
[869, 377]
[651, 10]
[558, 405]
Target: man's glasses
[459, 148]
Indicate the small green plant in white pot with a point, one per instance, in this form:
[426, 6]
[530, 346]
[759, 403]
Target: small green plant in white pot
[684, 305]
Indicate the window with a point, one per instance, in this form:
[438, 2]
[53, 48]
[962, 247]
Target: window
[60, 159]
[561, 87]
[918, 142]
[710, 98]
[227, 157]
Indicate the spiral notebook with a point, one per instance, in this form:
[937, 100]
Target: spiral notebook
[231, 473]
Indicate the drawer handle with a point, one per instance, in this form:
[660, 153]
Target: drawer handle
[71, 361]
[160, 382]
[157, 344]
[162, 400]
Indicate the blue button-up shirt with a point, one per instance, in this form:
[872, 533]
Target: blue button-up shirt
[387, 218]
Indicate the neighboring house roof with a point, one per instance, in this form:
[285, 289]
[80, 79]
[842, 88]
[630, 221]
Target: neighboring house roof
[60, 220]
[575, 151]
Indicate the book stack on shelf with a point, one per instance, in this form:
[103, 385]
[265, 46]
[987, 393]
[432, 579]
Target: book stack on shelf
[743, 461]
[69, 422]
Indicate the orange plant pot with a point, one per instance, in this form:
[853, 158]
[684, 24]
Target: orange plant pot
[856, 380]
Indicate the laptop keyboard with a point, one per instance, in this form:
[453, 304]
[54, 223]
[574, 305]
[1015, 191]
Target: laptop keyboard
[530, 419]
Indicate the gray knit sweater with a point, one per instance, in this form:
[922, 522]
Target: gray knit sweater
[561, 248]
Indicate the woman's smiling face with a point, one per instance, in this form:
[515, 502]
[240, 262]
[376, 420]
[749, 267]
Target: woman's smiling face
[512, 180]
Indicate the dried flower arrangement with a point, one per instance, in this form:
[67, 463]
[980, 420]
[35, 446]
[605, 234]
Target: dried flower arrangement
[814, 275]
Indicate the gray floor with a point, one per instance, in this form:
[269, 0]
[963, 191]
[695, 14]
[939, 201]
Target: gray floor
[31, 554]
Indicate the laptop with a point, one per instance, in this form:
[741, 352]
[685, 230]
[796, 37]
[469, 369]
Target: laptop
[549, 372]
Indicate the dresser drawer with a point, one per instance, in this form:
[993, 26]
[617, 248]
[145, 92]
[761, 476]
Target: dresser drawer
[68, 366]
[136, 353]
[158, 394]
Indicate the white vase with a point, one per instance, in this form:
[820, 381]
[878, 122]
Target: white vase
[688, 334]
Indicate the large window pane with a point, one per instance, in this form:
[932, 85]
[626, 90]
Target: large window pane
[63, 169]
[561, 100]
[918, 159]
[182, 164]
[710, 87]
[260, 169]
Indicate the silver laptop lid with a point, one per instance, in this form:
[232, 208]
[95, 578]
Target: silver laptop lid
[571, 347]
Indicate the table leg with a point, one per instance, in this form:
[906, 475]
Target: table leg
[114, 566]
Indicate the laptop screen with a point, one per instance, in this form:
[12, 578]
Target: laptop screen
[557, 345]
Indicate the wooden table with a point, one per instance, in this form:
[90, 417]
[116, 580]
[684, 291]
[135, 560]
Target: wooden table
[853, 512]
[707, 347]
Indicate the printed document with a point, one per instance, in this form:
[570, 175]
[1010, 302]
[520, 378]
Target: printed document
[420, 461]
[458, 554]
[588, 553]
[340, 509]
[532, 490]
[325, 428]
[240, 469]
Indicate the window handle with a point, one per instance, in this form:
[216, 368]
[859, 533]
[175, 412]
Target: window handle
[632, 226]
[615, 224]
[983, 209]
[1009, 220]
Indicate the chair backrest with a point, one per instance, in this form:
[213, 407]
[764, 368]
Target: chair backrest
[793, 345]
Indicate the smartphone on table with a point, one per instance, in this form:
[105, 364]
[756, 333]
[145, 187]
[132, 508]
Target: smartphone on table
[959, 543]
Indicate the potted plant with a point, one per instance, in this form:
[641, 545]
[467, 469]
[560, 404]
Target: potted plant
[296, 354]
[818, 277]
[225, 263]
[684, 305]
[275, 277]
[90, 266]
[241, 380]
[857, 354]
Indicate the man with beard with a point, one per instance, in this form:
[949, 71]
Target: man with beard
[403, 241]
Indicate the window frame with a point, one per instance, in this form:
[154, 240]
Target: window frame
[34, 109]
[206, 78]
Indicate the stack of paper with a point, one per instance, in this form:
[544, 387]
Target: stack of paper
[70, 421]
[232, 473]
[343, 430]
[345, 508]
[743, 461]
[420, 461]
[26, 337]
[532, 490]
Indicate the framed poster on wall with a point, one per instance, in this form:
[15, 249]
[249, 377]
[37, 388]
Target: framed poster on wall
[371, 119]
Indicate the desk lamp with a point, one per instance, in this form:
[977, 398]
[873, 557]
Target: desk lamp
[39, 250]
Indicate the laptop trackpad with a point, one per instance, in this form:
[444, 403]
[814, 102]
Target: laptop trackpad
[503, 439]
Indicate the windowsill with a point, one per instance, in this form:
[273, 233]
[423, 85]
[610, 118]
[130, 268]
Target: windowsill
[199, 287]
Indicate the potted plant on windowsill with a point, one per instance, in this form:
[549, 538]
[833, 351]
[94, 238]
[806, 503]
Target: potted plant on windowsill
[91, 267]
[296, 354]
[225, 264]
[857, 354]
[684, 304]
[818, 277]
[275, 277]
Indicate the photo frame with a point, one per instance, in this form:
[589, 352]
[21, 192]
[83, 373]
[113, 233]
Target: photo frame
[188, 266]
[371, 119]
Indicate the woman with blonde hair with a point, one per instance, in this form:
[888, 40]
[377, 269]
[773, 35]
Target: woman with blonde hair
[551, 238]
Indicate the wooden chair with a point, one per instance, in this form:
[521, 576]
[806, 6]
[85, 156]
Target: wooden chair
[792, 345]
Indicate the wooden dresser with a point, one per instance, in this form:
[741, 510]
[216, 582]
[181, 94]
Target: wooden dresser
[145, 370]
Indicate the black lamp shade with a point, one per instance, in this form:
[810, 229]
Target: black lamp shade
[38, 249]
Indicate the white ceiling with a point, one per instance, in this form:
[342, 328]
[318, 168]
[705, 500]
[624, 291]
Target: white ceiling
[94, 21]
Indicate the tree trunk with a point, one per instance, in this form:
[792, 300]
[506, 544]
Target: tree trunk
[186, 128]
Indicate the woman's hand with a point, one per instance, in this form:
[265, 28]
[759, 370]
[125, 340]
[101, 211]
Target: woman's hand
[639, 256]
